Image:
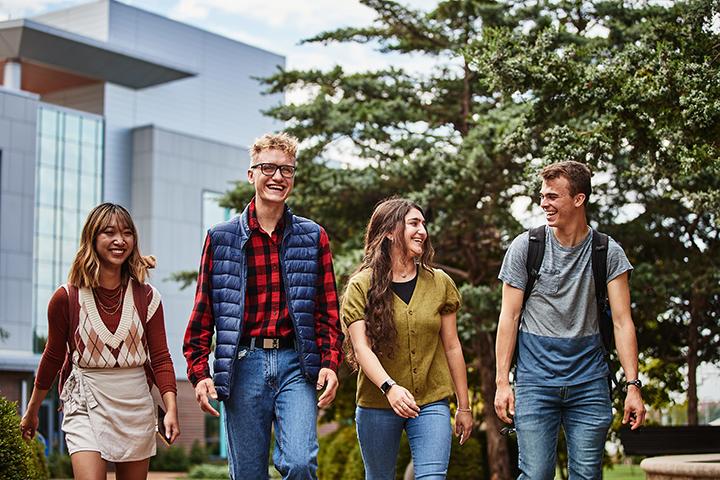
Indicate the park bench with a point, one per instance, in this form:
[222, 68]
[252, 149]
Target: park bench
[675, 440]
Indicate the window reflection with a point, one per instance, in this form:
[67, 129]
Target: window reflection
[68, 185]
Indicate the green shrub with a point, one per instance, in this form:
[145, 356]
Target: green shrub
[19, 459]
[198, 453]
[60, 466]
[354, 468]
[340, 456]
[171, 459]
[334, 451]
[466, 461]
[209, 471]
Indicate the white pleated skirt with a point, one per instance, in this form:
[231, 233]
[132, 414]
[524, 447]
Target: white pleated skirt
[111, 411]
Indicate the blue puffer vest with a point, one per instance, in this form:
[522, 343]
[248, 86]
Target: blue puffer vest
[300, 268]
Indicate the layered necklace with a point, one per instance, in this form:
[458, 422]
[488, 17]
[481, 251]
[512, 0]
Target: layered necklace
[109, 301]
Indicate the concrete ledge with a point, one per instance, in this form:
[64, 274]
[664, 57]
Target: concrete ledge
[682, 467]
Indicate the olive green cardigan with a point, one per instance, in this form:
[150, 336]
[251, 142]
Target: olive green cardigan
[418, 362]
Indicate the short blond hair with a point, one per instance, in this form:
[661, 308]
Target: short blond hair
[275, 141]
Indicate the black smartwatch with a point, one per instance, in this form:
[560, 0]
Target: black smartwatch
[635, 382]
[387, 385]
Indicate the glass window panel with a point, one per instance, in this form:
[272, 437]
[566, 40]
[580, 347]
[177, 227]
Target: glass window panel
[69, 248]
[45, 248]
[46, 220]
[72, 156]
[70, 197]
[72, 127]
[88, 198]
[48, 123]
[87, 159]
[44, 272]
[48, 150]
[47, 185]
[212, 212]
[70, 229]
[89, 131]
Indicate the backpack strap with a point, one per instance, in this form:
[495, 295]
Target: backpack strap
[599, 269]
[533, 261]
[535, 253]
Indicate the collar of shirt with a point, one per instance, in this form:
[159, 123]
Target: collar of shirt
[254, 223]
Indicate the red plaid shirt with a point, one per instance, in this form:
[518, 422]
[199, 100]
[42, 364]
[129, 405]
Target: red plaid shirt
[266, 311]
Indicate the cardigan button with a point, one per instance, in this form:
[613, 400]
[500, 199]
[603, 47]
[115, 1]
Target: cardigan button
[410, 312]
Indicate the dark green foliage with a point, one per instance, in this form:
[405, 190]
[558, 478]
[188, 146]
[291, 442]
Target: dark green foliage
[171, 459]
[198, 453]
[334, 452]
[60, 466]
[466, 461]
[19, 460]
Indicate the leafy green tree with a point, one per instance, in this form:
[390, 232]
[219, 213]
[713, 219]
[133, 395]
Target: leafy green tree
[628, 87]
[642, 104]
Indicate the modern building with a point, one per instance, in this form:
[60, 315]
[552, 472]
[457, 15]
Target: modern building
[107, 102]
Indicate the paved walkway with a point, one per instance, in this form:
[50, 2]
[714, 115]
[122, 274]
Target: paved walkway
[156, 475]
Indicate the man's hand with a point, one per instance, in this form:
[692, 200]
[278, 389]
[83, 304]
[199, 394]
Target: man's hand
[634, 408]
[204, 389]
[328, 380]
[504, 403]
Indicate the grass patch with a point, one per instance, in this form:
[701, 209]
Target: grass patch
[624, 472]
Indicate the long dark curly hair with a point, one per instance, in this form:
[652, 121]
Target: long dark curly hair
[388, 219]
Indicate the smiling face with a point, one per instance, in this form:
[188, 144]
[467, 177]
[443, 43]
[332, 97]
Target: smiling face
[414, 233]
[560, 207]
[114, 243]
[273, 189]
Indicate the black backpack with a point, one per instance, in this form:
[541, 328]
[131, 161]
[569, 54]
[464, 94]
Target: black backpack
[536, 251]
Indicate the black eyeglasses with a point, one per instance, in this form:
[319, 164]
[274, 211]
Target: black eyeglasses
[269, 169]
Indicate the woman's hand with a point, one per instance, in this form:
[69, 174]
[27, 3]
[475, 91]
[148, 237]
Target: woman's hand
[29, 424]
[172, 427]
[463, 425]
[402, 402]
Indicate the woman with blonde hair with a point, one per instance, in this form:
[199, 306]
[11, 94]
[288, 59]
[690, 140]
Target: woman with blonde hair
[400, 313]
[107, 332]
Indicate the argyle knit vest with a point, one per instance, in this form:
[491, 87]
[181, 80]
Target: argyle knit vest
[300, 268]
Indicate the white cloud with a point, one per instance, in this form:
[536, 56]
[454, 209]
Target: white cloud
[298, 15]
[12, 9]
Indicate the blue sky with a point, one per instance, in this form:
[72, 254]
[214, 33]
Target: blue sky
[275, 25]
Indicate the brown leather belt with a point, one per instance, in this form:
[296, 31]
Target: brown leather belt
[267, 342]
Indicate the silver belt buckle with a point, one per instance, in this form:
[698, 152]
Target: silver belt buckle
[271, 343]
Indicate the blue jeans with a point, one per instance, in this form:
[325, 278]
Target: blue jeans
[379, 431]
[269, 390]
[585, 413]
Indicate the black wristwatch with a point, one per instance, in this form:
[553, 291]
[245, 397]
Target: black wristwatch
[635, 382]
[387, 385]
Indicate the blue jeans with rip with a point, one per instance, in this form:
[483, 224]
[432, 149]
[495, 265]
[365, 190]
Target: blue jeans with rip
[379, 431]
[585, 413]
[269, 390]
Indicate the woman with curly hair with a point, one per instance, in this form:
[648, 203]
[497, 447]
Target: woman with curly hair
[400, 313]
[106, 330]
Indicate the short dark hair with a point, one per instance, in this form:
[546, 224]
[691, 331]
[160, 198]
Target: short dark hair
[576, 173]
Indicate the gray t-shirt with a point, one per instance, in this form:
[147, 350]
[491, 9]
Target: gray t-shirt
[559, 342]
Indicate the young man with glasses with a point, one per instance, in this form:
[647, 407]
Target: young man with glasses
[266, 287]
[561, 376]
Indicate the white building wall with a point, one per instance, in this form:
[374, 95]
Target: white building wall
[18, 134]
[170, 172]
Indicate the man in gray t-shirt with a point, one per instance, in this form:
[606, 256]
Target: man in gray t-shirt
[561, 375]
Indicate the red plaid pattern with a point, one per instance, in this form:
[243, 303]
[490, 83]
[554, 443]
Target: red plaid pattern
[266, 312]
